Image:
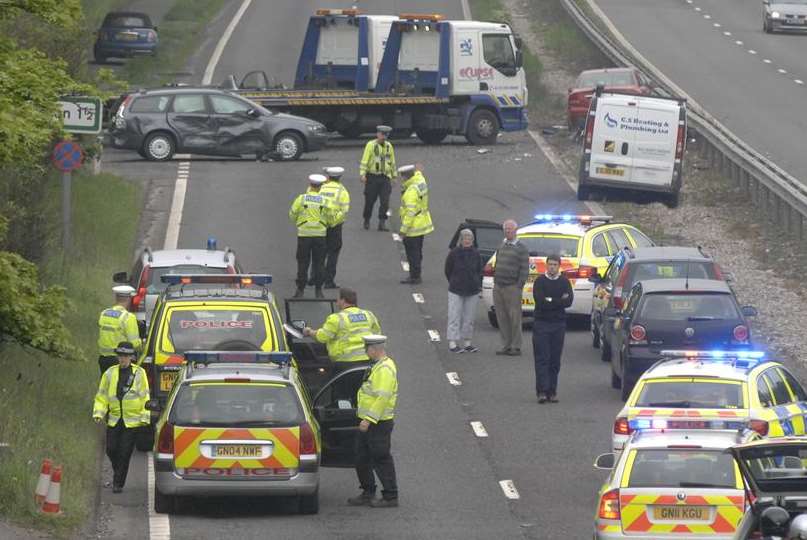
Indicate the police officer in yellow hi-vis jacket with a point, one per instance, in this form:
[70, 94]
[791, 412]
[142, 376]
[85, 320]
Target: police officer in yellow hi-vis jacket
[416, 220]
[312, 215]
[377, 171]
[343, 332]
[116, 324]
[339, 197]
[376, 409]
[121, 399]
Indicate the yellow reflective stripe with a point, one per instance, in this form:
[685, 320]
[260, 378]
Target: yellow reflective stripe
[628, 467]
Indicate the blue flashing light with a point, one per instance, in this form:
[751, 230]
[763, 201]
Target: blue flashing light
[211, 243]
[262, 280]
[566, 217]
[643, 424]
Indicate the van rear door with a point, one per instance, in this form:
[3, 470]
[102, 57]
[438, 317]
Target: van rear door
[653, 150]
[612, 139]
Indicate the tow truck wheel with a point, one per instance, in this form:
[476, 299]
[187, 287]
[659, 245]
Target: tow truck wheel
[164, 504]
[432, 136]
[289, 146]
[309, 504]
[353, 132]
[159, 146]
[483, 128]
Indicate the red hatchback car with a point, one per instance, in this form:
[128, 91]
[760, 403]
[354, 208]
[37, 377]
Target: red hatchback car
[625, 80]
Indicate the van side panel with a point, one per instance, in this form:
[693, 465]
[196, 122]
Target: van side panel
[656, 130]
[611, 145]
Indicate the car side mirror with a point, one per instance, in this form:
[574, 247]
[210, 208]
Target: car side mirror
[120, 277]
[519, 59]
[605, 462]
[153, 405]
[253, 113]
[299, 324]
[749, 311]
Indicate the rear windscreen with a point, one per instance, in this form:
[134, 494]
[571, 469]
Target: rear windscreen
[682, 468]
[689, 394]
[641, 271]
[611, 78]
[543, 246]
[213, 330]
[688, 307]
[156, 286]
[127, 21]
[234, 404]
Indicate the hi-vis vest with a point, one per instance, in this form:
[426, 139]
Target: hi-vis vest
[379, 392]
[311, 214]
[378, 159]
[133, 406]
[339, 199]
[115, 325]
[416, 220]
[343, 332]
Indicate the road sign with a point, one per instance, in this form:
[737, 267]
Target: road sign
[82, 114]
[67, 156]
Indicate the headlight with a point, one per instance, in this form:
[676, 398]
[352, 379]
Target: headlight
[316, 128]
[775, 14]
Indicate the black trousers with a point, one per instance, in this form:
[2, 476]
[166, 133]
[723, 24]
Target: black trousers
[106, 362]
[413, 245]
[120, 443]
[310, 252]
[373, 456]
[378, 186]
[547, 346]
[333, 245]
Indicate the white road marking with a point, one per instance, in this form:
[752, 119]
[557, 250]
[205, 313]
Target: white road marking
[396, 237]
[716, 25]
[782, 71]
[752, 51]
[738, 42]
[726, 33]
[697, 9]
[766, 60]
[707, 17]
[225, 37]
[798, 81]
[405, 266]
[453, 378]
[479, 429]
[175, 215]
[159, 525]
[689, 1]
[509, 489]
[434, 335]
[418, 298]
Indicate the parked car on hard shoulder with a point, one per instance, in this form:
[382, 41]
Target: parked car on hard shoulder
[124, 34]
[161, 122]
[624, 80]
[784, 16]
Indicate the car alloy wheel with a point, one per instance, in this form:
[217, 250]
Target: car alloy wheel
[289, 146]
[159, 147]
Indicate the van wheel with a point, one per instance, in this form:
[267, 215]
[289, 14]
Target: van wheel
[289, 146]
[616, 382]
[673, 200]
[164, 504]
[432, 136]
[309, 504]
[159, 146]
[492, 319]
[483, 128]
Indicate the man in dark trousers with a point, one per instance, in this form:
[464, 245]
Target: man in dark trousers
[552, 293]
[377, 170]
[312, 214]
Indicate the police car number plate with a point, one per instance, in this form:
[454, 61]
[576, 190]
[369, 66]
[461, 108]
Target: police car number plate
[167, 379]
[237, 451]
[681, 513]
[608, 171]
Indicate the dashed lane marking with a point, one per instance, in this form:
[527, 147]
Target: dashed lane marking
[782, 71]
[752, 51]
[396, 237]
[726, 33]
[707, 17]
[767, 61]
[434, 335]
[418, 298]
[509, 489]
[479, 429]
[453, 378]
[716, 25]
[405, 266]
[798, 81]
[159, 525]
[697, 9]
[738, 42]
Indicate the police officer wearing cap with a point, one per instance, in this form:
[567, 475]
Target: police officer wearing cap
[121, 399]
[339, 198]
[116, 324]
[312, 215]
[377, 170]
[416, 220]
[376, 409]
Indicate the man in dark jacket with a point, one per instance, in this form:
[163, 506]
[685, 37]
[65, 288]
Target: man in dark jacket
[463, 270]
[552, 293]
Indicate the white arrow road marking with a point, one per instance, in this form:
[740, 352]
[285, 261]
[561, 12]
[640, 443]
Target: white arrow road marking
[479, 429]
[434, 335]
[418, 298]
[454, 378]
[509, 489]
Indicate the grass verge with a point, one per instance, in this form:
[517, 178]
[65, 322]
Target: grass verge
[46, 404]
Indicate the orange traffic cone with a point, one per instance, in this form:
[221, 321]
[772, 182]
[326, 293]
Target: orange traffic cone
[52, 504]
[44, 482]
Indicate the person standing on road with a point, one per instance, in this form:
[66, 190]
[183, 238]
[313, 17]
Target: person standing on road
[376, 409]
[312, 215]
[416, 220]
[343, 332]
[552, 293]
[377, 171]
[339, 199]
[116, 324]
[463, 270]
[121, 398]
[510, 274]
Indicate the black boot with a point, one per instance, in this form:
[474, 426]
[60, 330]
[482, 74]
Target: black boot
[298, 293]
[382, 225]
[318, 293]
[366, 224]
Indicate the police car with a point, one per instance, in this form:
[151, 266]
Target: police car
[714, 390]
[243, 423]
[672, 484]
[585, 244]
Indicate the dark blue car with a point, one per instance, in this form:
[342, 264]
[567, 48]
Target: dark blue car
[125, 34]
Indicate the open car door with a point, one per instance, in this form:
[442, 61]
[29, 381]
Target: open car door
[488, 236]
[335, 408]
[312, 358]
[255, 80]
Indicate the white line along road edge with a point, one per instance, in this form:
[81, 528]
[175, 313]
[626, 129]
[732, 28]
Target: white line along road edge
[159, 526]
[509, 489]
[225, 37]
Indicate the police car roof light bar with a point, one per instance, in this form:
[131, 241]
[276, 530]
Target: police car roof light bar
[262, 280]
[645, 424]
[716, 354]
[571, 218]
[280, 358]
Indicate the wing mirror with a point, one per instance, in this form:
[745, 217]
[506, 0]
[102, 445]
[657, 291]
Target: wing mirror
[253, 113]
[605, 462]
[749, 311]
[299, 324]
[120, 277]
[153, 405]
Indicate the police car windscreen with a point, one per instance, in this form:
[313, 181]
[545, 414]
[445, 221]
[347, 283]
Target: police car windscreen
[156, 286]
[682, 468]
[234, 404]
[688, 394]
[689, 307]
[203, 330]
[543, 246]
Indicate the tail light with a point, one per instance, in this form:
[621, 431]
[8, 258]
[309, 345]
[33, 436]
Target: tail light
[165, 442]
[589, 131]
[622, 426]
[740, 333]
[581, 272]
[680, 142]
[609, 505]
[638, 334]
[488, 270]
[760, 426]
[308, 443]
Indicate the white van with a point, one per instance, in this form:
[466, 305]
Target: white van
[633, 142]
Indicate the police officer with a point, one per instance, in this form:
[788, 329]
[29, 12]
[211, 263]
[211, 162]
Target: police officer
[377, 170]
[339, 198]
[376, 410]
[121, 398]
[116, 324]
[416, 220]
[343, 332]
[312, 215]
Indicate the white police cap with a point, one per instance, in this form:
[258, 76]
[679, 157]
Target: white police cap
[406, 169]
[374, 339]
[383, 129]
[334, 172]
[123, 290]
[317, 179]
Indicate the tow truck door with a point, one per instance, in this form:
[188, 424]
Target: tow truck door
[312, 356]
[335, 409]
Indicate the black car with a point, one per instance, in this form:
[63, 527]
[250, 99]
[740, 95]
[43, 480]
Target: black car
[673, 314]
[159, 123]
[630, 266]
[124, 34]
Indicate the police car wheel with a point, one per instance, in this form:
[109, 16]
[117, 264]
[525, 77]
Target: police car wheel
[164, 504]
[289, 146]
[159, 147]
[483, 127]
[309, 504]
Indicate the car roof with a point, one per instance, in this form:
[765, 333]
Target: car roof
[254, 372]
[687, 367]
[667, 253]
[609, 70]
[684, 285]
[200, 257]
[708, 438]
[176, 90]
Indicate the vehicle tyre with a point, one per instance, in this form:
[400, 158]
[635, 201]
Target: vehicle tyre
[605, 350]
[766, 26]
[164, 504]
[616, 382]
[673, 200]
[144, 442]
[309, 504]
[432, 136]
[142, 153]
[353, 132]
[400, 134]
[289, 146]
[159, 146]
[483, 128]
[492, 319]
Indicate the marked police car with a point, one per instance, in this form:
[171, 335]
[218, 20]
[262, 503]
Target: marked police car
[714, 390]
[243, 423]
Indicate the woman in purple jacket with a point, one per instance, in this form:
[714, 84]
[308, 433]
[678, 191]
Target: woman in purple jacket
[464, 273]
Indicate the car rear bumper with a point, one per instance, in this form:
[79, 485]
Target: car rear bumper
[170, 483]
[617, 184]
[611, 535]
[123, 140]
[125, 49]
